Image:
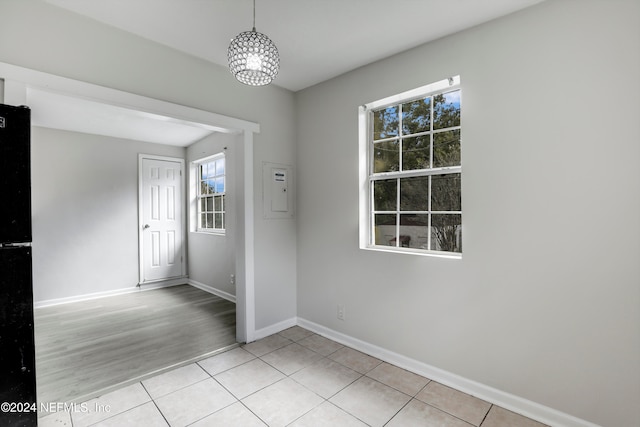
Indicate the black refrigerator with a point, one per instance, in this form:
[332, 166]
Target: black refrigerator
[17, 351]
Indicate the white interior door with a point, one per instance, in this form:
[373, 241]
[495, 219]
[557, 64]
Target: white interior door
[161, 217]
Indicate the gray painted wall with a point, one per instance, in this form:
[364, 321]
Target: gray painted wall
[545, 303]
[85, 212]
[212, 256]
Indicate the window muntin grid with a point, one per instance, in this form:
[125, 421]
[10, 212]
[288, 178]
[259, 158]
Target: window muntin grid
[415, 173]
[211, 194]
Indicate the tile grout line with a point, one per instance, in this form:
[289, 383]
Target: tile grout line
[324, 400]
[123, 412]
[156, 405]
[486, 415]
[289, 376]
[254, 414]
[411, 398]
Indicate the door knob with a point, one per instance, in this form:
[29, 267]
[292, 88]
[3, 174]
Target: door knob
[146, 226]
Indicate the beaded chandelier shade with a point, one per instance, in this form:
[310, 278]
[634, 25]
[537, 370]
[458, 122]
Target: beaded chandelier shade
[253, 58]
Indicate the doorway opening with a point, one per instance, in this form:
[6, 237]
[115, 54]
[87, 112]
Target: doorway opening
[28, 87]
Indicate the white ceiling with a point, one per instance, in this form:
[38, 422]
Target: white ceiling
[317, 39]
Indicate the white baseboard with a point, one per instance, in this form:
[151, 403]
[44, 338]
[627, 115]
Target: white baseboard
[212, 290]
[503, 399]
[96, 295]
[275, 328]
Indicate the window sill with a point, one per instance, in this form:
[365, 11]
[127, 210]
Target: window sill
[212, 232]
[410, 251]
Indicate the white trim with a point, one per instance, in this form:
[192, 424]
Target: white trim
[97, 295]
[18, 80]
[210, 158]
[212, 290]
[182, 279]
[275, 328]
[213, 231]
[157, 372]
[416, 172]
[509, 401]
[422, 91]
[247, 332]
[363, 169]
[421, 252]
[31, 79]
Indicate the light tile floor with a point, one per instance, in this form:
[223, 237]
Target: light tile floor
[293, 378]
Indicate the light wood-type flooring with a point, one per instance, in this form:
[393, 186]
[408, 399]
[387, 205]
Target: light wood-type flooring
[85, 348]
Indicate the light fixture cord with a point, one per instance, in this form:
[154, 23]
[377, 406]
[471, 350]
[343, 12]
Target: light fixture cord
[254, 15]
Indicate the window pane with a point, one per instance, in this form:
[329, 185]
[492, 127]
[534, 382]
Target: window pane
[218, 218]
[203, 171]
[446, 110]
[446, 149]
[204, 188]
[219, 184]
[445, 192]
[446, 233]
[220, 167]
[211, 184]
[415, 153]
[416, 116]
[218, 205]
[414, 231]
[209, 204]
[385, 123]
[385, 195]
[203, 221]
[385, 229]
[211, 170]
[386, 156]
[414, 194]
[209, 220]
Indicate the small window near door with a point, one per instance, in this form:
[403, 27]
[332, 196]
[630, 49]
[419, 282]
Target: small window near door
[211, 194]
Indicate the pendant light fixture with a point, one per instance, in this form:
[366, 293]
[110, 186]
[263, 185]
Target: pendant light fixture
[253, 58]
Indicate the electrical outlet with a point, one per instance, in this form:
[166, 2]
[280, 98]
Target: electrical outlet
[340, 311]
[232, 279]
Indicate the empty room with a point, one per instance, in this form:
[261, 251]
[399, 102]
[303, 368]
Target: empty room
[397, 213]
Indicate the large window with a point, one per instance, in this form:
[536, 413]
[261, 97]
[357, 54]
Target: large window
[211, 193]
[413, 171]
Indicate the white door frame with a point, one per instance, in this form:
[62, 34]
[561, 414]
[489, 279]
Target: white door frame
[183, 225]
[19, 81]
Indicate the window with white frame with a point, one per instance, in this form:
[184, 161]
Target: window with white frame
[412, 181]
[210, 173]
